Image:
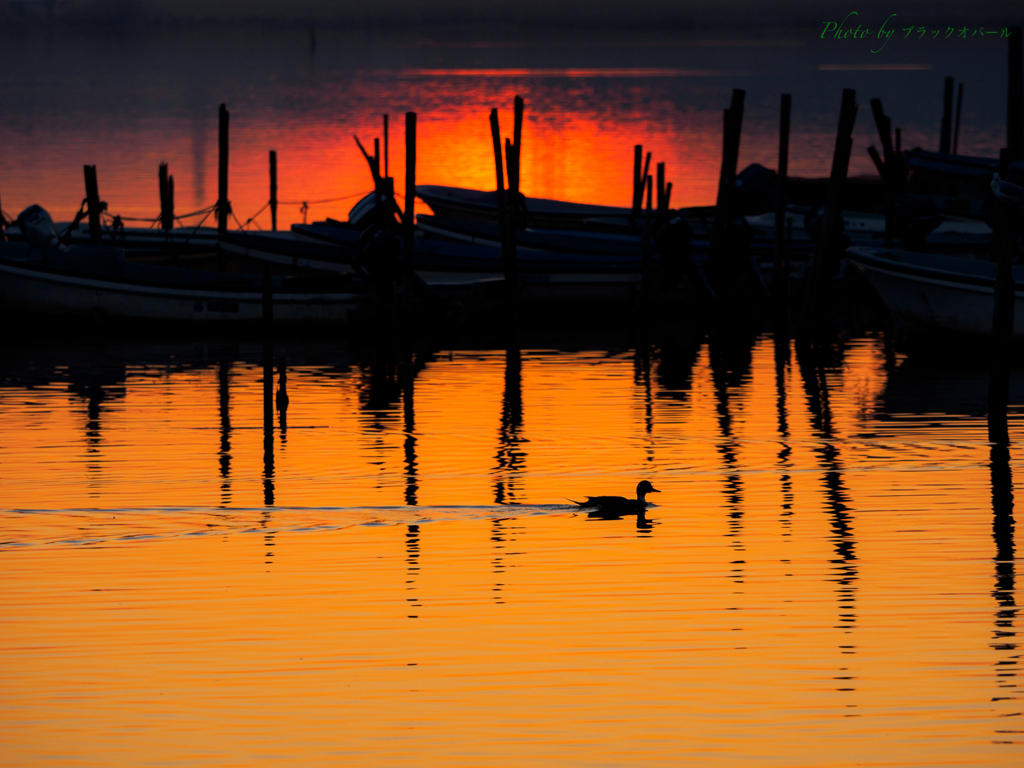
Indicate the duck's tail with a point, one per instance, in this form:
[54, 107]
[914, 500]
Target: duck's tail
[577, 503]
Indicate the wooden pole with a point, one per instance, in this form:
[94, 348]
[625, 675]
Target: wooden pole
[273, 191]
[92, 196]
[638, 192]
[376, 176]
[662, 207]
[508, 254]
[517, 143]
[947, 116]
[386, 174]
[408, 221]
[511, 165]
[890, 168]
[517, 130]
[823, 264]
[1002, 328]
[732, 128]
[959, 108]
[163, 197]
[884, 126]
[170, 202]
[643, 179]
[645, 276]
[1015, 95]
[223, 206]
[879, 165]
[780, 287]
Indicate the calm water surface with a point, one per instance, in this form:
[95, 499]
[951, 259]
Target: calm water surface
[382, 568]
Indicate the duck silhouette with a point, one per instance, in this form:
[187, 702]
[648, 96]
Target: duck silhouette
[618, 505]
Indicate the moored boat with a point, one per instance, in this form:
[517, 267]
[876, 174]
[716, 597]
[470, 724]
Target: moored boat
[937, 292]
[99, 282]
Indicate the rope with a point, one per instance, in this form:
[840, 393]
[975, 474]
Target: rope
[253, 217]
[208, 212]
[320, 202]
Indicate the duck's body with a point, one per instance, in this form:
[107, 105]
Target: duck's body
[619, 505]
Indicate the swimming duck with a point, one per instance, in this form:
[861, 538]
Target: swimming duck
[618, 505]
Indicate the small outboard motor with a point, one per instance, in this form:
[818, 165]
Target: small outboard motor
[37, 228]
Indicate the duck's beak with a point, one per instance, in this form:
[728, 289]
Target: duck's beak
[654, 490]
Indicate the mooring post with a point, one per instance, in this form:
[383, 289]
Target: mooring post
[92, 197]
[517, 144]
[378, 182]
[273, 191]
[1006, 240]
[823, 260]
[508, 254]
[732, 128]
[947, 116]
[780, 280]
[163, 196]
[638, 192]
[1015, 95]
[386, 174]
[645, 275]
[223, 206]
[891, 168]
[662, 208]
[959, 108]
[170, 202]
[513, 186]
[408, 221]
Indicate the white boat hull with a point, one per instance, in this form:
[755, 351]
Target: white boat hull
[937, 293]
[29, 289]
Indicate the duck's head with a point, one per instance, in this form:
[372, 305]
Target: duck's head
[643, 488]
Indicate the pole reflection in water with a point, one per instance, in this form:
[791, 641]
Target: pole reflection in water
[498, 563]
[408, 379]
[1004, 633]
[511, 459]
[282, 400]
[94, 398]
[380, 389]
[812, 361]
[782, 357]
[97, 384]
[224, 391]
[412, 561]
[642, 378]
[676, 360]
[730, 353]
[268, 423]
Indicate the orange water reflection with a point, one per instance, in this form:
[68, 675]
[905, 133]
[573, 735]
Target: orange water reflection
[814, 587]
